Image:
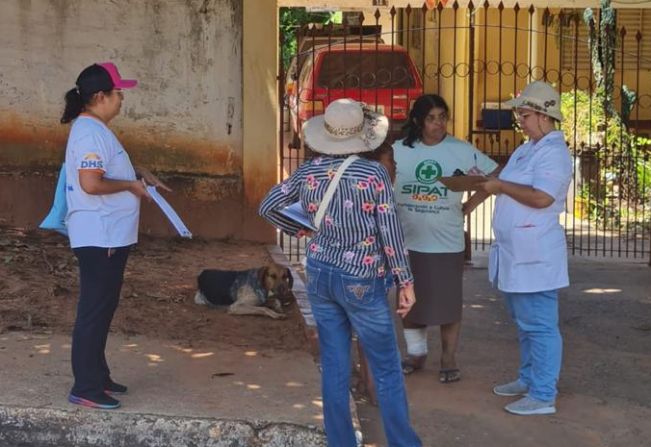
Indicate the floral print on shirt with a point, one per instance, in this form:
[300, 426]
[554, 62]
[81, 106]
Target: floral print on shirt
[368, 207]
[361, 233]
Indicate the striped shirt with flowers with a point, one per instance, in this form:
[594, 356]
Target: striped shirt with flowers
[360, 232]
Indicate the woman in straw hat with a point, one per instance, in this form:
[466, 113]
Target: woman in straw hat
[347, 261]
[528, 261]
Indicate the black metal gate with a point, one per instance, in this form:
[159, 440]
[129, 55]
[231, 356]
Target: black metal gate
[600, 61]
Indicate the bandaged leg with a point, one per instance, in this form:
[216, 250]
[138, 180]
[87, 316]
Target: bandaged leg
[416, 341]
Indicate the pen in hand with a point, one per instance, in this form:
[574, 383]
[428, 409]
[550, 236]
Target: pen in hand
[475, 169]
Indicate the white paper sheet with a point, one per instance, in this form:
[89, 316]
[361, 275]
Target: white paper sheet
[169, 212]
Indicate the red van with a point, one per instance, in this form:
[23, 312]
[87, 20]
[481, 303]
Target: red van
[382, 76]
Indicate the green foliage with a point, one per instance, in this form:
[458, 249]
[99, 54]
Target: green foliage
[585, 120]
[643, 171]
[598, 206]
[619, 187]
[628, 100]
[583, 117]
[603, 42]
[291, 19]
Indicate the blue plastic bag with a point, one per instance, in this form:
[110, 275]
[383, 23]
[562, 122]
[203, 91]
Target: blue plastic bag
[56, 219]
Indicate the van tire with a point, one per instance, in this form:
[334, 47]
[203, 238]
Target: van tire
[294, 140]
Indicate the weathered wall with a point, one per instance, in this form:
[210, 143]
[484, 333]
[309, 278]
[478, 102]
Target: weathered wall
[184, 119]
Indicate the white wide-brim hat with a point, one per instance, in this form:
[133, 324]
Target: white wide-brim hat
[345, 128]
[539, 97]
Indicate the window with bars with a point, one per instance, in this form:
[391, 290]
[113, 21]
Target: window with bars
[575, 47]
[634, 21]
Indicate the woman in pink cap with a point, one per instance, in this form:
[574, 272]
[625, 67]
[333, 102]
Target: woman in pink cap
[103, 196]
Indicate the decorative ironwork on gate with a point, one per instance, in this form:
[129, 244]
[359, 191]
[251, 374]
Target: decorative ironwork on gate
[478, 57]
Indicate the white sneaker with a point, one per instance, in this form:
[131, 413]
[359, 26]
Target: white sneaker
[515, 388]
[528, 406]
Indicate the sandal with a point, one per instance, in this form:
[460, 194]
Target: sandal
[449, 375]
[413, 363]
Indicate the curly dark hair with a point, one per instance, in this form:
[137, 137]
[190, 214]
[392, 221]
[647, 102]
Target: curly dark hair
[413, 128]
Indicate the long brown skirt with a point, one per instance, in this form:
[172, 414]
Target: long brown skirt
[438, 283]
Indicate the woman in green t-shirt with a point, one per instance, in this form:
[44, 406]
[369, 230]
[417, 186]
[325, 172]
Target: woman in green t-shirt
[432, 218]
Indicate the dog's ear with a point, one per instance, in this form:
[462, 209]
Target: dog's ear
[262, 273]
[290, 279]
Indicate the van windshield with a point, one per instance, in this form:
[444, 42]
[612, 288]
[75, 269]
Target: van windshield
[368, 69]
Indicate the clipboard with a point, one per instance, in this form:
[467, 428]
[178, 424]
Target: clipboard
[463, 182]
[296, 213]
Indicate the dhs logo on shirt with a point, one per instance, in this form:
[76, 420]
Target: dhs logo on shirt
[92, 161]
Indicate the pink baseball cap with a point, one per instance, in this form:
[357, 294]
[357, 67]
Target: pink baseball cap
[117, 80]
[101, 78]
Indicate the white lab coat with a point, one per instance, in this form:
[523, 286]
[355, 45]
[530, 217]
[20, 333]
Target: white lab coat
[530, 251]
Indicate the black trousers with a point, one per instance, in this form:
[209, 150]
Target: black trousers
[101, 271]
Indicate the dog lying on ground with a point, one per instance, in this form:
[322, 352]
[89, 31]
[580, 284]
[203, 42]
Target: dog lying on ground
[259, 291]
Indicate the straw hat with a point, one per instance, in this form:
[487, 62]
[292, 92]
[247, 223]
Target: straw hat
[345, 128]
[539, 97]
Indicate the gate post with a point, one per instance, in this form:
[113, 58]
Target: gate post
[471, 72]
[260, 114]
[471, 115]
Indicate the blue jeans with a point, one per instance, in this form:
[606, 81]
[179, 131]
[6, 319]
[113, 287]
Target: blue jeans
[541, 345]
[342, 303]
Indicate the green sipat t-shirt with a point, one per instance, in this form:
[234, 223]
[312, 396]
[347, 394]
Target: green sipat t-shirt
[430, 214]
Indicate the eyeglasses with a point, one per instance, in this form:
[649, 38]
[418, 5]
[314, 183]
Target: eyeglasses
[442, 118]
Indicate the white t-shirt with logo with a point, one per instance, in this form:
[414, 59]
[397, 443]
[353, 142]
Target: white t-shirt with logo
[108, 220]
[430, 214]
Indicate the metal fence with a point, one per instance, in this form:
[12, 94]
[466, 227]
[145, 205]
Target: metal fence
[476, 58]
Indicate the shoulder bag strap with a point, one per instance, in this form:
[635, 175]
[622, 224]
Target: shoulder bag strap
[327, 197]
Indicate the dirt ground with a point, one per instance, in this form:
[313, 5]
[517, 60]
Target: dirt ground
[605, 386]
[38, 291]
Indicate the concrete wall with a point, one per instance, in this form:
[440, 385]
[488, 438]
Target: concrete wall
[184, 120]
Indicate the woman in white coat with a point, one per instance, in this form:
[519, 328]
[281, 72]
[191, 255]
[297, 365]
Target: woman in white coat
[528, 261]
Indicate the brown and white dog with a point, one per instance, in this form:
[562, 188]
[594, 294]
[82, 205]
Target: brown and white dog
[259, 291]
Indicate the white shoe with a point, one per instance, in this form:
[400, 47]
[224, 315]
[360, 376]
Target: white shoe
[528, 406]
